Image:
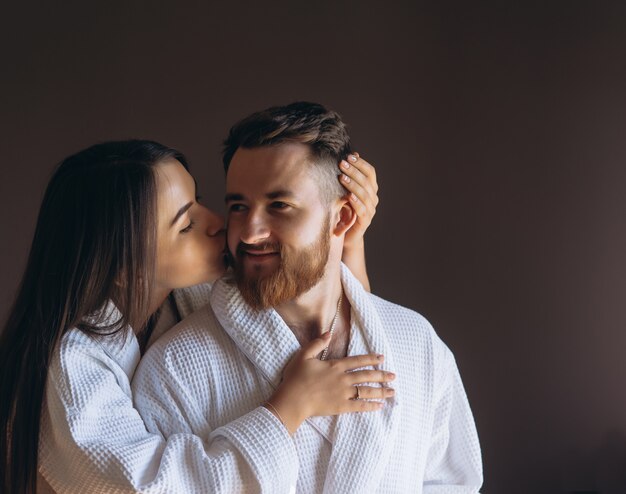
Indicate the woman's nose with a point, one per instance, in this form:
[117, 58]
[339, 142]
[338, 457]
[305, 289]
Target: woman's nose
[215, 223]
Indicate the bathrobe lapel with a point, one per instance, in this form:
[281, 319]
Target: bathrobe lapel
[262, 336]
[363, 442]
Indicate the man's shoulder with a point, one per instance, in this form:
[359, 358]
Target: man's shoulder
[190, 299]
[194, 331]
[408, 328]
[182, 359]
[401, 316]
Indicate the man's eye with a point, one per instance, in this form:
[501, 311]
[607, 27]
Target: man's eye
[279, 205]
[236, 207]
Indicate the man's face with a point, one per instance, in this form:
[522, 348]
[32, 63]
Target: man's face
[278, 228]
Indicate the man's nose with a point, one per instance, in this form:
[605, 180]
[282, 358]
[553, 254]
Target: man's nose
[255, 229]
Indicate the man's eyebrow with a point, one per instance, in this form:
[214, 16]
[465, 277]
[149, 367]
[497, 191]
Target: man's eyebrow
[181, 211]
[233, 197]
[270, 195]
[279, 193]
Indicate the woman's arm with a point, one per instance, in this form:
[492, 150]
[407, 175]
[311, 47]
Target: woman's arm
[94, 440]
[171, 395]
[359, 179]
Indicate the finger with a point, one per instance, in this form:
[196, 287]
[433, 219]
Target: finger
[361, 193]
[363, 406]
[354, 174]
[374, 393]
[357, 361]
[314, 347]
[367, 169]
[370, 376]
[351, 177]
[363, 214]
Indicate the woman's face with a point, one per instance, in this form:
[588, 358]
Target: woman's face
[190, 237]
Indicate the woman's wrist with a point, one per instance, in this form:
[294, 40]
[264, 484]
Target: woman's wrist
[354, 247]
[353, 256]
[287, 411]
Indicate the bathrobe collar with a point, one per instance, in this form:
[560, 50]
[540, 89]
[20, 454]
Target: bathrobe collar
[269, 344]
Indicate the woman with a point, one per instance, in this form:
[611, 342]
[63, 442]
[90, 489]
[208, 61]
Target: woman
[106, 254]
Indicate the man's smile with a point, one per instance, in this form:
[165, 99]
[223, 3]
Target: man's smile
[259, 255]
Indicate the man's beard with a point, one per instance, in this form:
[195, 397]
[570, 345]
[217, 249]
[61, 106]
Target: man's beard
[297, 272]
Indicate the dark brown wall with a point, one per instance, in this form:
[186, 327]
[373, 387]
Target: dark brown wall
[498, 135]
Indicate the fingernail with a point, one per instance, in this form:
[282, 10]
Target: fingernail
[345, 164]
[354, 197]
[391, 375]
[325, 335]
[345, 178]
[380, 357]
[352, 158]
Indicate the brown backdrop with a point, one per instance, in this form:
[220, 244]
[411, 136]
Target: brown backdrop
[498, 134]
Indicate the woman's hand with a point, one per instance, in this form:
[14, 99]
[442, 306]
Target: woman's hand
[359, 179]
[312, 387]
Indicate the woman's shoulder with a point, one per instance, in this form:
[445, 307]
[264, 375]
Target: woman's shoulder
[102, 334]
[85, 364]
[77, 343]
[106, 346]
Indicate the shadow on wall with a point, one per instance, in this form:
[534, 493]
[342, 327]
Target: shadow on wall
[598, 472]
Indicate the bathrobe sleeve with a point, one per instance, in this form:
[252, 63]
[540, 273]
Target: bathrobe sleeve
[454, 463]
[94, 440]
[256, 451]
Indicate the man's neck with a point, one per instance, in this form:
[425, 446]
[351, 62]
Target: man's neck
[312, 313]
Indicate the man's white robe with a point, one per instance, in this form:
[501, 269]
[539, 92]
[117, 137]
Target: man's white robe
[226, 359]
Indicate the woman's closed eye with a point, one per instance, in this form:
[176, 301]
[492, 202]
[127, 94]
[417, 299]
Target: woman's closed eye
[188, 227]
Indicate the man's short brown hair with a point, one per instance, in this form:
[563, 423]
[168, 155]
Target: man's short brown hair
[311, 124]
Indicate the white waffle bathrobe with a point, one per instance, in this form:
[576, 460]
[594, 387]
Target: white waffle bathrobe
[94, 441]
[224, 360]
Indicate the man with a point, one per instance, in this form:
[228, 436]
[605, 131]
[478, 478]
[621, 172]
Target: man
[287, 217]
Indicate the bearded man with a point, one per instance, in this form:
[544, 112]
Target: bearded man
[287, 218]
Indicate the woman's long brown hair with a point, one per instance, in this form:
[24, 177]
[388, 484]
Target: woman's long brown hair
[95, 241]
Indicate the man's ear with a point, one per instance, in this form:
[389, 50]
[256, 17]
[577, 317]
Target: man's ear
[345, 219]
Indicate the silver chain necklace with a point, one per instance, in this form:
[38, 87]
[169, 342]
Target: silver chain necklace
[332, 327]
